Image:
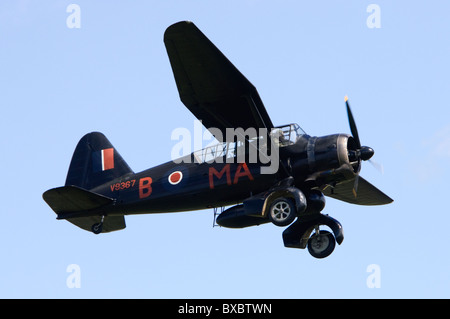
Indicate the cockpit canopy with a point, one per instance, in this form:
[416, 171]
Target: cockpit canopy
[286, 135]
[281, 136]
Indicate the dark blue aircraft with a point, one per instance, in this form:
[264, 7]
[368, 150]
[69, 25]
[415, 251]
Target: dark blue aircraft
[101, 188]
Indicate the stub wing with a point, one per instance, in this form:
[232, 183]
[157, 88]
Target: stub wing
[367, 193]
[210, 86]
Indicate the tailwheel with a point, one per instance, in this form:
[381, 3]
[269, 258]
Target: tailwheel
[97, 228]
[321, 244]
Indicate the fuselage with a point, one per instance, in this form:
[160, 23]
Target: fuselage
[184, 184]
[172, 187]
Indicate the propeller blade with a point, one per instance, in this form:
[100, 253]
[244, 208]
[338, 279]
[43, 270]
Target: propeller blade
[352, 123]
[362, 153]
[355, 185]
[379, 167]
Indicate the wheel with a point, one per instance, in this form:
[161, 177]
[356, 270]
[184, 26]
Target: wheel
[282, 212]
[322, 245]
[97, 228]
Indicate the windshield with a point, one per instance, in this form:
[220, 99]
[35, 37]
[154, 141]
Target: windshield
[286, 134]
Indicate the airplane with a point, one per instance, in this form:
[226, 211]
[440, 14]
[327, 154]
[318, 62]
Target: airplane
[101, 189]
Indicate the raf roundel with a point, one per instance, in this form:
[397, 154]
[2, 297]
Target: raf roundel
[175, 177]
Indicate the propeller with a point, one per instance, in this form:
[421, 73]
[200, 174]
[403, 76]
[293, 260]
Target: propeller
[362, 153]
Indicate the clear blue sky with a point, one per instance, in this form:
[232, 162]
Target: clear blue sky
[113, 75]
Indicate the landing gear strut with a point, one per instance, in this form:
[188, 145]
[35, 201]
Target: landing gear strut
[322, 243]
[97, 228]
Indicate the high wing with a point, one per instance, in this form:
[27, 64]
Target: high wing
[367, 193]
[210, 86]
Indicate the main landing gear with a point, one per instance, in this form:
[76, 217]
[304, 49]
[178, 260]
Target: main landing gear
[321, 244]
[305, 231]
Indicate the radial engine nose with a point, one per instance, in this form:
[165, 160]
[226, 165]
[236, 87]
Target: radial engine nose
[331, 151]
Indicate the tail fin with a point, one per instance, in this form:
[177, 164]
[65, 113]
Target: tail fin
[95, 162]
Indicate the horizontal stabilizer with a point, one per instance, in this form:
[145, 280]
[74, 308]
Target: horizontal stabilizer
[82, 207]
[110, 223]
[70, 199]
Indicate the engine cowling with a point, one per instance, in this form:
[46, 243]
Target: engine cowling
[318, 154]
